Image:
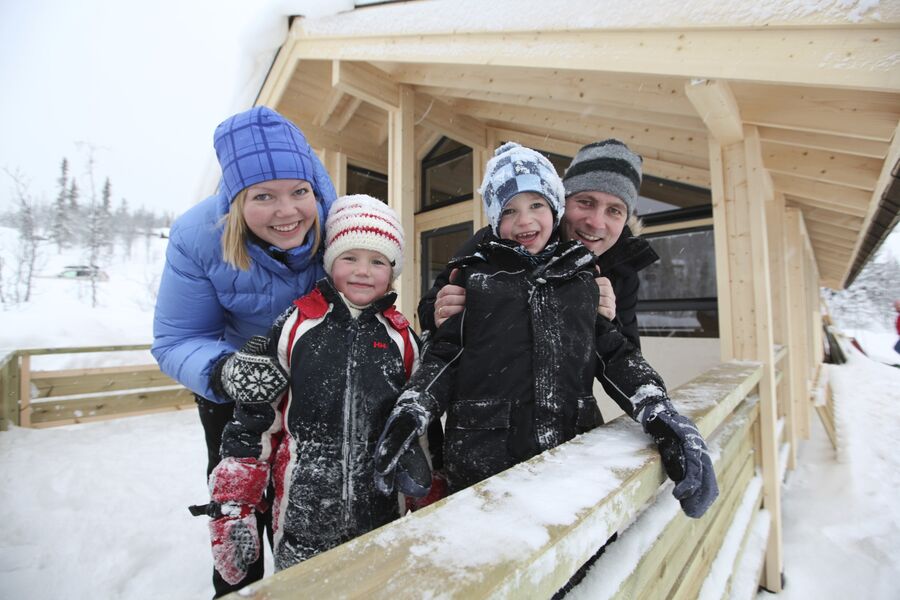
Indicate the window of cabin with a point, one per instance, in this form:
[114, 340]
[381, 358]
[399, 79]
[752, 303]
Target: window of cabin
[678, 295]
[438, 247]
[364, 181]
[446, 175]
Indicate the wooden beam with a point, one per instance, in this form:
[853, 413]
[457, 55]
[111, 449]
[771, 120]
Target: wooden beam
[843, 169]
[358, 150]
[345, 113]
[645, 140]
[845, 57]
[558, 145]
[493, 83]
[824, 141]
[797, 320]
[532, 98]
[365, 82]
[853, 113]
[327, 108]
[280, 75]
[809, 192]
[401, 188]
[439, 116]
[336, 164]
[722, 247]
[762, 304]
[840, 232]
[850, 223]
[717, 107]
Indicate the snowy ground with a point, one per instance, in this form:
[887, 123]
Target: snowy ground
[99, 510]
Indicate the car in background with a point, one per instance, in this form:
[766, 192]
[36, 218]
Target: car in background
[83, 272]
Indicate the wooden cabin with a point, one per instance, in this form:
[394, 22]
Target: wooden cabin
[770, 143]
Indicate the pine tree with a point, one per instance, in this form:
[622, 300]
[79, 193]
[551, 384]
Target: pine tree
[61, 233]
[104, 217]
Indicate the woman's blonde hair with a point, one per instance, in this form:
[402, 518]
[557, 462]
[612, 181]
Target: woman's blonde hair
[236, 232]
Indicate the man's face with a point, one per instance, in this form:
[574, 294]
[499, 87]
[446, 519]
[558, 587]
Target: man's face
[595, 219]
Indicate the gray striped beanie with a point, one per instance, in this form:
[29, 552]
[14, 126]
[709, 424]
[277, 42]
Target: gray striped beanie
[607, 166]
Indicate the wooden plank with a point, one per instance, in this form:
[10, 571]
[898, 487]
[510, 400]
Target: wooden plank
[522, 557]
[327, 108]
[439, 116]
[548, 98]
[336, 164]
[717, 107]
[691, 580]
[721, 239]
[744, 547]
[622, 92]
[829, 109]
[809, 192]
[843, 169]
[359, 151]
[658, 566]
[644, 139]
[138, 413]
[365, 82]
[401, 187]
[763, 352]
[279, 76]
[345, 113]
[860, 58]
[824, 141]
[9, 389]
[82, 349]
[108, 405]
[25, 390]
[851, 223]
[81, 381]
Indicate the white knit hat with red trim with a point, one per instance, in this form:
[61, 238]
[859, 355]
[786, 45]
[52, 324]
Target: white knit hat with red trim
[363, 222]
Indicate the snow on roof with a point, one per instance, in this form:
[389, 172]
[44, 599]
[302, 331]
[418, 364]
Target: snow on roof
[475, 16]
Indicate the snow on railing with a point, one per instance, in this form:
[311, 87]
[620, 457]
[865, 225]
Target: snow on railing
[525, 531]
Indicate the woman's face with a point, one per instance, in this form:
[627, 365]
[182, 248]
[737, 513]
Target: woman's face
[281, 211]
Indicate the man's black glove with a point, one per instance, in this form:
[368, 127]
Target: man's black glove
[250, 375]
[685, 459]
[399, 459]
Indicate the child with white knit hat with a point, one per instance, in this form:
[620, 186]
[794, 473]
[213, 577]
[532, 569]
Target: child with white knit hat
[346, 353]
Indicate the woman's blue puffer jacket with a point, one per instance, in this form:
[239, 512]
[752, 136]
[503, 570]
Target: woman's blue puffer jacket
[206, 308]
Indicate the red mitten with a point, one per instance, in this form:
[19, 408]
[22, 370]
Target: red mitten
[237, 486]
[438, 491]
[235, 541]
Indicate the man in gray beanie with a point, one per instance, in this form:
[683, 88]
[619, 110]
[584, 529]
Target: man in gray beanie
[601, 188]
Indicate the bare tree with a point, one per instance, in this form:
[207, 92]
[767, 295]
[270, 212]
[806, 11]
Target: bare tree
[61, 219]
[26, 265]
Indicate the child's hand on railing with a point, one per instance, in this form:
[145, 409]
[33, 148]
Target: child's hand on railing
[686, 460]
[399, 459]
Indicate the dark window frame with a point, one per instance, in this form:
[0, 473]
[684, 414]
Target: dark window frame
[432, 160]
[424, 258]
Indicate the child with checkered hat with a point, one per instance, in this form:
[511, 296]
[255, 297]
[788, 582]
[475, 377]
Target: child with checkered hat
[344, 353]
[514, 371]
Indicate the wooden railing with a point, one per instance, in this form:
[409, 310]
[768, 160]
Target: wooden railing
[57, 397]
[524, 532]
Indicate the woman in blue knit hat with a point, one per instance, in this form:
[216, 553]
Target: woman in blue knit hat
[234, 263]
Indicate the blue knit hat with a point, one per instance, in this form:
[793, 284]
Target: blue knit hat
[259, 145]
[515, 169]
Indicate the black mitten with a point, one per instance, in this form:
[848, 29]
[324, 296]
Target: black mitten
[250, 375]
[686, 460]
[397, 445]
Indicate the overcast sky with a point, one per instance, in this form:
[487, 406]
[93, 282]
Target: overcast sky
[144, 84]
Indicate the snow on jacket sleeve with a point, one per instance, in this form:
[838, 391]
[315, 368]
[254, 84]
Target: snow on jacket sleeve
[624, 374]
[431, 386]
[189, 322]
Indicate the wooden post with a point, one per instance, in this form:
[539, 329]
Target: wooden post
[336, 164]
[25, 391]
[787, 402]
[762, 305]
[798, 321]
[401, 190]
[739, 189]
[480, 156]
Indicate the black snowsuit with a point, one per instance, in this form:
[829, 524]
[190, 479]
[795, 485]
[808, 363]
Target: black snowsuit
[620, 264]
[319, 440]
[514, 371]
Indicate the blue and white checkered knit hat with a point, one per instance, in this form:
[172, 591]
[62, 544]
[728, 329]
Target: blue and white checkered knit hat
[258, 145]
[515, 169]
